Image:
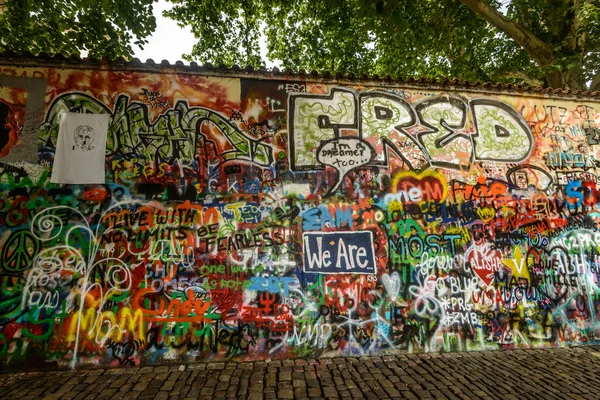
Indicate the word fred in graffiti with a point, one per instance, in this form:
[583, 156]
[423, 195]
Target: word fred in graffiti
[339, 252]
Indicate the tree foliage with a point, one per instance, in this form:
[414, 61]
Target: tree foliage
[101, 27]
[550, 42]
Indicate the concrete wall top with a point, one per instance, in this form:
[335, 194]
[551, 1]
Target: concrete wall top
[179, 67]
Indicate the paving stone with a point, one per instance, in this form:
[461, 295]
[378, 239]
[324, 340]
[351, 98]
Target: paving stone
[80, 387]
[312, 383]
[155, 383]
[285, 376]
[425, 394]
[148, 393]
[53, 396]
[141, 386]
[299, 383]
[327, 381]
[284, 385]
[350, 384]
[372, 396]
[285, 394]
[106, 394]
[168, 385]
[207, 391]
[571, 373]
[391, 392]
[131, 395]
[161, 395]
[91, 379]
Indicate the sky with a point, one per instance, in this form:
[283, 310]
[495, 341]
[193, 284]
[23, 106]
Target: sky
[169, 41]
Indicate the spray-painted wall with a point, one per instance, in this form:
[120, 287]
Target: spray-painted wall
[262, 218]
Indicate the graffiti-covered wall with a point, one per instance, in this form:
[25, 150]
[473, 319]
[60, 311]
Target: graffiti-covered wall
[256, 216]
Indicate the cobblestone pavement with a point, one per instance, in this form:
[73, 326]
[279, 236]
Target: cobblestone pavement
[515, 374]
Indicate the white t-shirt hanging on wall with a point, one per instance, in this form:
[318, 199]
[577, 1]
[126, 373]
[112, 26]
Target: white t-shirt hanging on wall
[80, 149]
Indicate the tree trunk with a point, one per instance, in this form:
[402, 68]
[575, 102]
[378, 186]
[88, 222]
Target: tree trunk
[595, 86]
[534, 46]
[575, 79]
[554, 79]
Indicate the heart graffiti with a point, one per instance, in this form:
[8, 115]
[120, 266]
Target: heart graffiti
[485, 261]
[392, 284]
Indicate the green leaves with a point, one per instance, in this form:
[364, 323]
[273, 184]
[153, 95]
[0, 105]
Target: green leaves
[434, 38]
[102, 27]
[438, 38]
[227, 31]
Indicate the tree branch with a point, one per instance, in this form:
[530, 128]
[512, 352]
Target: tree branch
[522, 76]
[536, 48]
[577, 39]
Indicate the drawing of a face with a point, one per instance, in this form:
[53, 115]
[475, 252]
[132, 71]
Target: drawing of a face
[84, 137]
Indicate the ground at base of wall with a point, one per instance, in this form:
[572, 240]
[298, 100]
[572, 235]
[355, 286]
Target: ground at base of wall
[572, 373]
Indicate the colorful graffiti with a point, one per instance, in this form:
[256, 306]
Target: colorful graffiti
[252, 219]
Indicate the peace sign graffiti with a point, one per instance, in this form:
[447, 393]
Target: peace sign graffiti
[19, 250]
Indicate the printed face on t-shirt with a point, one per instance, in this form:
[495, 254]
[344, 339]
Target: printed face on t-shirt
[84, 137]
